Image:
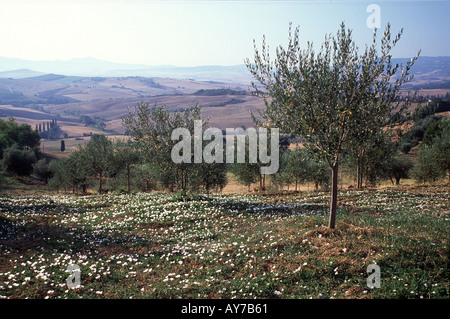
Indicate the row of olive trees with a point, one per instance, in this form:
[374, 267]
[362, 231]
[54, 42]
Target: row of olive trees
[298, 167]
[143, 163]
[144, 166]
[151, 130]
[97, 161]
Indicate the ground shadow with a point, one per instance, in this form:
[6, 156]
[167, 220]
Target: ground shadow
[20, 232]
[268, 208]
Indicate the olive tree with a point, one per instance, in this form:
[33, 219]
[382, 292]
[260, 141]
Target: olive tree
[332, 96]
[151, 130]
[98, 156]
[433, 160]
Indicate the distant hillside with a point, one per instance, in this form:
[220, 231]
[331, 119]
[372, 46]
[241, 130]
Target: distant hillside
[216, 92]
[108, 98]
[430, 71]
[20, 74]
[31, 92]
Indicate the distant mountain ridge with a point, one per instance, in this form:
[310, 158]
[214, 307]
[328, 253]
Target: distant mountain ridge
[426, 70]
[91, 67]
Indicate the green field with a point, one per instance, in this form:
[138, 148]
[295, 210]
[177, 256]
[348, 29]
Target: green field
[226, 246]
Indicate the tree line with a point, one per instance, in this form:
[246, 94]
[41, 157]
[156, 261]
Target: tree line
[144, 163]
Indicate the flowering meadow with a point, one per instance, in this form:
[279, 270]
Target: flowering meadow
[226, 246]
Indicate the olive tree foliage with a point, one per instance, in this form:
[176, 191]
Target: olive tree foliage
[87, 162]
[71, 172]
[247, 173]
[433, 160]
[126, 157]
[330, 97]
[377, 158]
[18, 161]
[19, 148]
[98, 155]
[299, 166]
[42, 169]
[398, 167]
[151, 129]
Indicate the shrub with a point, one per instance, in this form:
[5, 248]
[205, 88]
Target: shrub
[398, 168]
[434, 154]
[121, 190]
[17, 161]
[417, 132]
[405, 147]
[180, 196]
[42, 170]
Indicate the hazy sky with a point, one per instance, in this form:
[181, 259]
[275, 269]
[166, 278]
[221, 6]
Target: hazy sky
[188, 33]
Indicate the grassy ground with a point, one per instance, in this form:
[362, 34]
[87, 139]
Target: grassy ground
[226, 246]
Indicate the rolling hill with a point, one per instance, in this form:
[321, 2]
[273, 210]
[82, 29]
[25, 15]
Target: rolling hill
[107, 99]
